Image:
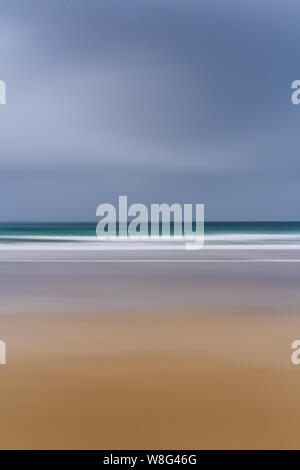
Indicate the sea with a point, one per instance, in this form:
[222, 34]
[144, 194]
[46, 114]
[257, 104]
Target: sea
[82, 235]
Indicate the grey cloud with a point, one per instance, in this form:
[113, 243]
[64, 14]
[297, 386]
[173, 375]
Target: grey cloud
[129, 92]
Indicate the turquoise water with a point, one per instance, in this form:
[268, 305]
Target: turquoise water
[216, 233]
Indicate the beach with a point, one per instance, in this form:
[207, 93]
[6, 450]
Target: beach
[149, 231]
[149, 355]
[162, 380]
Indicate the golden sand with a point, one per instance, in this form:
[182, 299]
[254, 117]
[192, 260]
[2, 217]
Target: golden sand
[185, 380]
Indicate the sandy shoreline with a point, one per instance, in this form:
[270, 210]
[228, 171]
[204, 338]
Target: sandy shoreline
[189, 379]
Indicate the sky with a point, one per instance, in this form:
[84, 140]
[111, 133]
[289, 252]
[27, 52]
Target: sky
[183, 101]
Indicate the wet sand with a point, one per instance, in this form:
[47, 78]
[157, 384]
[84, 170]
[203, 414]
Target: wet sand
[186, 378]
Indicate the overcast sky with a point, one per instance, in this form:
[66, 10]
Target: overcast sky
[162, 100]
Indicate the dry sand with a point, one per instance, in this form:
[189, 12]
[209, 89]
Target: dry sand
[150, 380]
